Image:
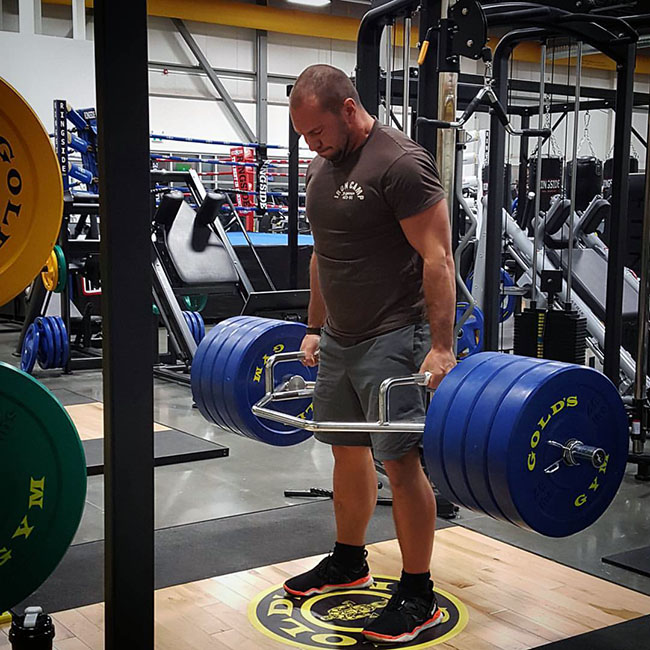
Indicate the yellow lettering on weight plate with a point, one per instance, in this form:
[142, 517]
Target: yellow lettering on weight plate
[24, 530]
[36, 492]
[580, 500]
[5, 555]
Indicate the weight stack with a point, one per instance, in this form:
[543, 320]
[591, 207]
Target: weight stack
[565, 337]
[530, 326]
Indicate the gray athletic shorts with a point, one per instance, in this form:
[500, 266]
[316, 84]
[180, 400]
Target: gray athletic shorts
[348, 382]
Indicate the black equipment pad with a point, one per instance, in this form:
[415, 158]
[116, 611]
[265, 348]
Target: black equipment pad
[637, 560]
[590, 281]
[170, 448]
[198, 255]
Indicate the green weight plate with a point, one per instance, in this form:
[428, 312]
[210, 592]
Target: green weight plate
[63, 269]
[195, 303]
[42, 482]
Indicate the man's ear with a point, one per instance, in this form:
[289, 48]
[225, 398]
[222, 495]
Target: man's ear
[349, 108]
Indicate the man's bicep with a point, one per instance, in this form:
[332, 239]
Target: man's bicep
[428, 231]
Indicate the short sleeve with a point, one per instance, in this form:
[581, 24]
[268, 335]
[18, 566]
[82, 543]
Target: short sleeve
[412, 184]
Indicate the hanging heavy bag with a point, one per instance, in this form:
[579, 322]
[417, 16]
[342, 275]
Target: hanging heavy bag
[590, 180]
[551, 181]
[608, 174]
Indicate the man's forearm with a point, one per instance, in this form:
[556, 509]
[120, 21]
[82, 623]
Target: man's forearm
[317, 311]
[439, 283]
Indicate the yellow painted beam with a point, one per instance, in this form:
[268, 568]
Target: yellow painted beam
[602, 62]
[320, 25]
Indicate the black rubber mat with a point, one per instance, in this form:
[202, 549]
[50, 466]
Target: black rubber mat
[207, 549]
[70, 398]
[637, 560]
[170, 448]
[630, 635]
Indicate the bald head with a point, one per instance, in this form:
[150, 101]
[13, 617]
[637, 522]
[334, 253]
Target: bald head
[325, 110]
[324, 85]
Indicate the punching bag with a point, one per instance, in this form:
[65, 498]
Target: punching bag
[590, 180]
[551, 179]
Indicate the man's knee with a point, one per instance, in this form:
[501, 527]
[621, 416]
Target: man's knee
[404, 471]
[351, 454]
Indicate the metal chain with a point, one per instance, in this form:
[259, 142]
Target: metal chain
[586, 137]
[555, 149]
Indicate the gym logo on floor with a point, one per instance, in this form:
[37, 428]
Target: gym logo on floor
[336, 619]
[350, 190]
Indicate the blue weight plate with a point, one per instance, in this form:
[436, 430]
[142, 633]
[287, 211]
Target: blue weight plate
[213, 372]
[58, 343]
[508, 302]
[470, 336]
[194, 326]
[202, 372]
[46, 348]
[557, 402]
[197, 325]
[65, 341]
[250, 330]
[201, 324]
[29, 352]
[489, 398]
[244, 381]
[434, 427]
[502, 434]
[458, 414]
[190, 323]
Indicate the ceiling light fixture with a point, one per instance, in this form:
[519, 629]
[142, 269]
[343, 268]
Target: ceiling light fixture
[310, 3]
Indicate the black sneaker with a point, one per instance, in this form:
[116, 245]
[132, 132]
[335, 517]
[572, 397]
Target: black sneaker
[326, 576]
[403, 618]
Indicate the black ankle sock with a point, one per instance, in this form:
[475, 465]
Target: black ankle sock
[349, 556]
[416, 584]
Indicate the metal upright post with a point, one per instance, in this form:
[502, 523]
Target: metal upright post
[388, 31]
[406, 86]
[538, 171]
[640, 390]
[522, 185]
[574, 173]
[619, 200]
[123, 129]
[294, 139]
[427, 104]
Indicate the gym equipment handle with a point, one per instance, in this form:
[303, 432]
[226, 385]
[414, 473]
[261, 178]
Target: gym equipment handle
[298, 388]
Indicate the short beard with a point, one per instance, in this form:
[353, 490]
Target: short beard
[343, 152]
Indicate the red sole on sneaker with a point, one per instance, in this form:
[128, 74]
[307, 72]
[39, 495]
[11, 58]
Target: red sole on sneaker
[408, 636]
[361, 583]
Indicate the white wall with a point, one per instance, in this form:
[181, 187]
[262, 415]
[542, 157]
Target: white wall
[45, 68]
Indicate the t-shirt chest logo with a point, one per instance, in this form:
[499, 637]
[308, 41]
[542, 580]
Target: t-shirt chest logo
[349, 191]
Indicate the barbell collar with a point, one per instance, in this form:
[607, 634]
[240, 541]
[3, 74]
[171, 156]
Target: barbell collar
[573, 451]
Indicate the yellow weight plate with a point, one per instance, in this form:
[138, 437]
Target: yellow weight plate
[50, 276]
[31, 194]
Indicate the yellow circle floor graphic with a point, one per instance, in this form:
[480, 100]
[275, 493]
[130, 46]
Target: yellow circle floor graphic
[336, 619]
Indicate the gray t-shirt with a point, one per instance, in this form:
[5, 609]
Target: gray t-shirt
[370, 276]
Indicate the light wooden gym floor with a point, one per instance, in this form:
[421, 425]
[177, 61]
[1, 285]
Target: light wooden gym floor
[89, 420]
[515, 600]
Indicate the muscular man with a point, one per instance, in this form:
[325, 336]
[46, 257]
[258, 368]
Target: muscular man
[382, 266]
